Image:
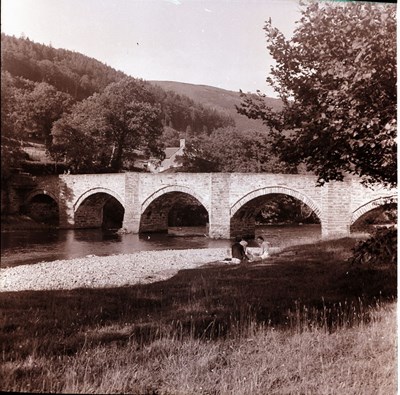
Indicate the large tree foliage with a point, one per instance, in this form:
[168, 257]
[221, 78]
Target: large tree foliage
[106, 131]
[27, 109]
[39, 108]
[11, 152]
[337, 79]
[228, 150]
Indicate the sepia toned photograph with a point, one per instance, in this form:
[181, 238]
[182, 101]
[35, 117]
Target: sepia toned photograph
[199, 197]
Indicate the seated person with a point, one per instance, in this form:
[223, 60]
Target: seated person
[263, 252]
[244, 243]
[237, 252]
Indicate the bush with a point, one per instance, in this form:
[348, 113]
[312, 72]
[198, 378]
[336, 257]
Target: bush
[379, 249]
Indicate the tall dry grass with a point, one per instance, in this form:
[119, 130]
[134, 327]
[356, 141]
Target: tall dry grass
[309, 322]
[357, 360]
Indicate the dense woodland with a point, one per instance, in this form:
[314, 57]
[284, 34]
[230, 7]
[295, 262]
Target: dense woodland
[42, 85]
[80, 77]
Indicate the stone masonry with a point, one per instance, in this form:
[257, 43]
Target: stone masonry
[229, 198]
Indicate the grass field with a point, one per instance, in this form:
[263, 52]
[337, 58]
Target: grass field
[307, 322]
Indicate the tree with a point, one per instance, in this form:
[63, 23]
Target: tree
[106, 131]
[197, 156]
[171, 137]
[337, 79]
[11, 151]
[228, 150]
[40, 108]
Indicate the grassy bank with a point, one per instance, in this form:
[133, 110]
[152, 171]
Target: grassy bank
[308, 322]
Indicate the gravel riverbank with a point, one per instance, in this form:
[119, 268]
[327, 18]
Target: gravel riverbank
[106, 271]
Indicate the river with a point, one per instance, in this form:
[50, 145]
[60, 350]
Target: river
[33, 246]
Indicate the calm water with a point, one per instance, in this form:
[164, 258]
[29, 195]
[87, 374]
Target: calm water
[27, 247]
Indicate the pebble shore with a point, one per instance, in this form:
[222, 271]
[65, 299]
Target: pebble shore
[106, 271]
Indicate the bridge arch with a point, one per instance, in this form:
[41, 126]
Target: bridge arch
[99, 207]
[244, 212]
[275, 190]
[173, 188]
[42, 206]
[172, 206]
[371, 205]
[37, 192]
[93, 191]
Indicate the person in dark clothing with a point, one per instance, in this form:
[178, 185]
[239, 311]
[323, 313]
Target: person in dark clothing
[238, 251]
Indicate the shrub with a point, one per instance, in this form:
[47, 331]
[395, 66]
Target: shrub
[379, 249]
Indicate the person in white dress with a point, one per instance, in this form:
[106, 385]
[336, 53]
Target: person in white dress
[263, 252]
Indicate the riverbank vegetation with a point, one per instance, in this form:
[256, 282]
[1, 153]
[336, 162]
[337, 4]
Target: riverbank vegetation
[306, 321]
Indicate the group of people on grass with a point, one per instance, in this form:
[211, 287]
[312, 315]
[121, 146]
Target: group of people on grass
[241, 254]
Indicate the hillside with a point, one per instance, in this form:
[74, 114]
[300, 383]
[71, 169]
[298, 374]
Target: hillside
[26, 65]
[71, 72]
[42, 86]
[221, 100]
[41, 83]
[79, 76]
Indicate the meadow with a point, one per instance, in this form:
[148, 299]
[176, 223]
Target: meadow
[306, 321]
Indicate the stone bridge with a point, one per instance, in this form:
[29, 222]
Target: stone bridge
[231, 200]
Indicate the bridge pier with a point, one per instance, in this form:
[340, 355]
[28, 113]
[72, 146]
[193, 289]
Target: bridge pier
[66, 218]
[66, 206]
[219, 215]
[336, 215]
[131, 221]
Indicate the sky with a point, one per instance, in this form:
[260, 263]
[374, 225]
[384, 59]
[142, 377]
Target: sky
[210, 42]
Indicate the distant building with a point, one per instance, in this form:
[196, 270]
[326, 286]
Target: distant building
[170, 161]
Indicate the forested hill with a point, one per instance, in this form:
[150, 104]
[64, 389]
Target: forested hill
[222, 100]
[68, 71]
[27, 66]
[186, 107]
[51, 98]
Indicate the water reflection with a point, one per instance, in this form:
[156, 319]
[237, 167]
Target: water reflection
[22, 247]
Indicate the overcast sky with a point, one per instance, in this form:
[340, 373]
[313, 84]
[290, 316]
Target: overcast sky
[211, 42]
